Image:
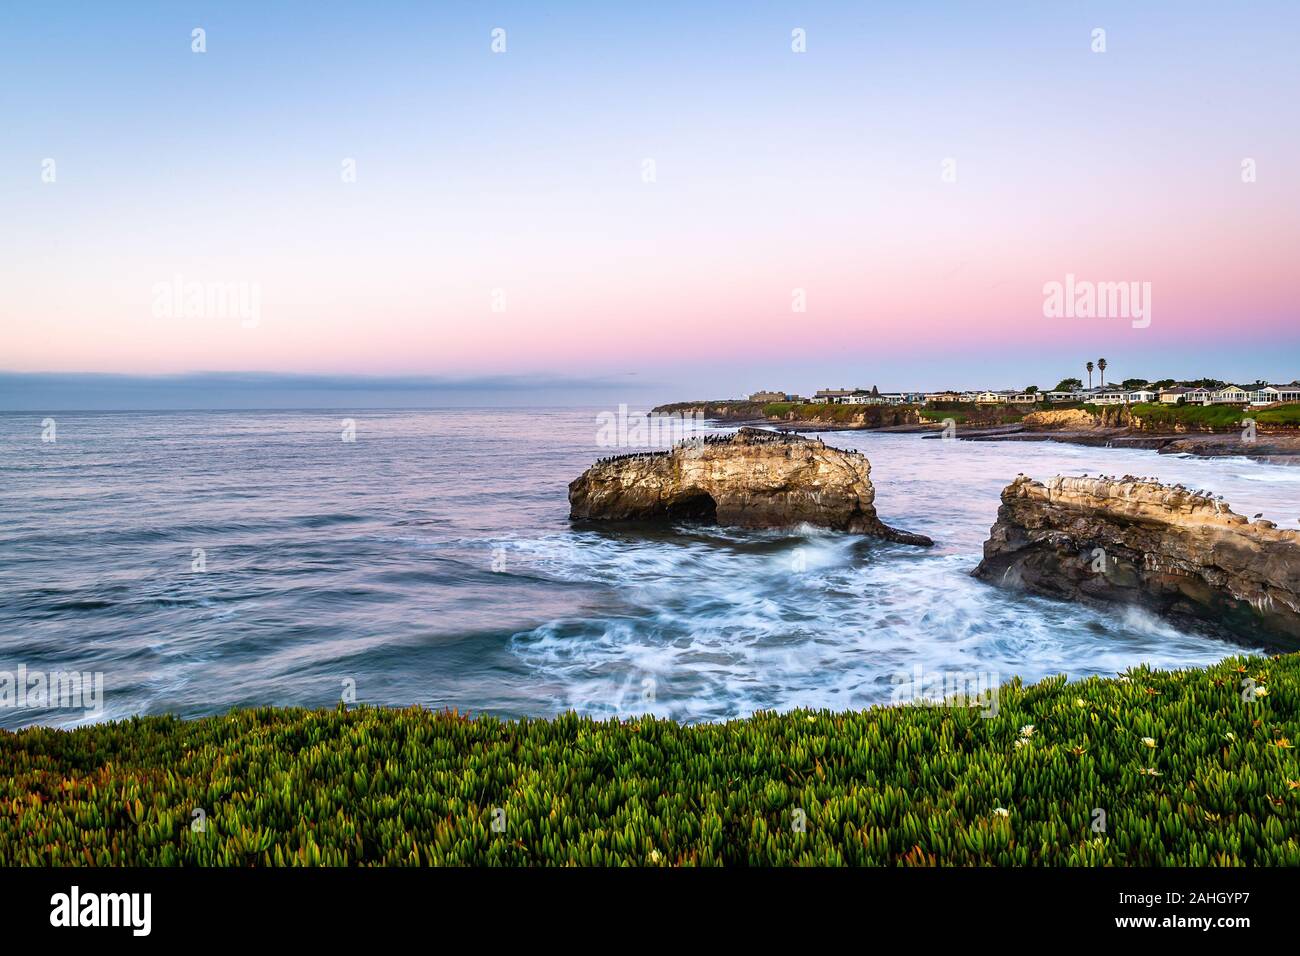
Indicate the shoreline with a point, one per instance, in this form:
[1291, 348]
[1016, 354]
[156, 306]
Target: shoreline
[1268, 447]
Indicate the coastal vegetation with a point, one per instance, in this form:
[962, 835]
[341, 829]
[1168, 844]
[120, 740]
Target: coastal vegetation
[1149, 417]
[986, 414]
[1162, 417]
[1285, 416]
[816, 411]
[1150, 768]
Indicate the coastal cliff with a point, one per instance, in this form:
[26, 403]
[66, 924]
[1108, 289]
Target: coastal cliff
[1184, 555]
[753, 479]
[804, 416]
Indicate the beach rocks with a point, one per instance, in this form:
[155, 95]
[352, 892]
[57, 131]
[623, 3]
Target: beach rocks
[753, 478]
[1184, 555]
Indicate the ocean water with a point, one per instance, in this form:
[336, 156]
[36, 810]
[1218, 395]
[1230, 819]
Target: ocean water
[201, 561]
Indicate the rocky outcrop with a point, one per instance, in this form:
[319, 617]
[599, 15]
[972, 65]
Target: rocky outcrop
[1106, 416]
[753, 479]
[1182, 554]
[1061, 418]
[722, 410]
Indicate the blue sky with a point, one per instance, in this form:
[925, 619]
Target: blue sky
[522, 174]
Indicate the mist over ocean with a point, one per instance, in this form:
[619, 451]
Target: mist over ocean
[206, 560]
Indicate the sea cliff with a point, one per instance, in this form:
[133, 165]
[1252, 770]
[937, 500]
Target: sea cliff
[752, 478]
[1181, 554]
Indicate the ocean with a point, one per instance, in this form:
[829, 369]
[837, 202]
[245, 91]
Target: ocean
[199, 561]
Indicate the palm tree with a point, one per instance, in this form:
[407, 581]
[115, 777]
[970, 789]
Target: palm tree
[1089, 368]
[1101, 367]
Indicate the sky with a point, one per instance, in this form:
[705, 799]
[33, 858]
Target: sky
[641, 202]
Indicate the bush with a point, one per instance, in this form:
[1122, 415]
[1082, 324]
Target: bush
[1186, 772]
[1286, 416]
[1156, 415]
[827, 412]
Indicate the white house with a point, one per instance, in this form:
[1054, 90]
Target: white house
[1287, 393]
[834, 396]
[1140, 395]
[1276, 393]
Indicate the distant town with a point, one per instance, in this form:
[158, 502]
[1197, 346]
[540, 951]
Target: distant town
[1129, 392]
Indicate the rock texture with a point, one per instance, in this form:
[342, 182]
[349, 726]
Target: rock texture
[754, 479]
[1061, 418]
[1182, 554]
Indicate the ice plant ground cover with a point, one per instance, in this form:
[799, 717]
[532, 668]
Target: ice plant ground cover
[1190, 767]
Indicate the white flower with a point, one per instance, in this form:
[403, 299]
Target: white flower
[1002, 811]
[1149, 741]
[1230, 736]
[655, 856]
[1080, 702]
[1027, 730]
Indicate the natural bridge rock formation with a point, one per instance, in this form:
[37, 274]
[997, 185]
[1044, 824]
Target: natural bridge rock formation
[754, 479]
[1181, 554]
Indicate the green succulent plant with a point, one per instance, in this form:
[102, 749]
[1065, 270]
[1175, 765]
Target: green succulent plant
[1185, 772]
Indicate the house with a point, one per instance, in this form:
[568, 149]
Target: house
[1230, 395]
[1199, 396]
[1006, 396]
[1060, 396]
[1288, 393]
[772, 397]
[1276, 393]
[1174, 395]
[932, 398]
[835, 396]
[1140, 396]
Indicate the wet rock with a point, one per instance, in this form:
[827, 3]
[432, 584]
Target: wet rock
[1182, 554]
[752, 479]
